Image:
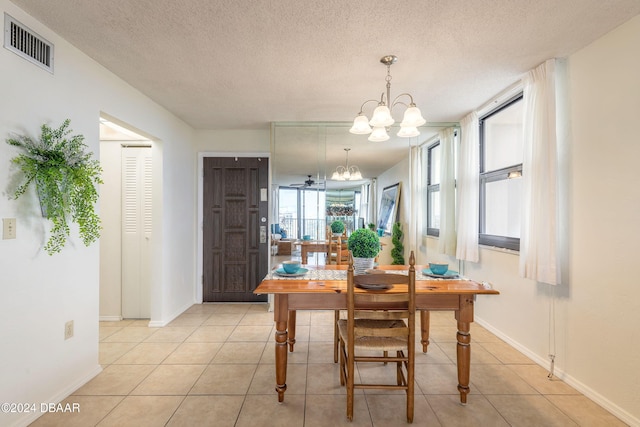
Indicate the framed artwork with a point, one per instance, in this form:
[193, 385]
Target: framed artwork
[389, 207]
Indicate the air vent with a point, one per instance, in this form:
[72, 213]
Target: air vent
[27, 44]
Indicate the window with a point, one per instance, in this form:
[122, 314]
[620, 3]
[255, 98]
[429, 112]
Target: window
[433, 189]
[500, 169]
[301, 211]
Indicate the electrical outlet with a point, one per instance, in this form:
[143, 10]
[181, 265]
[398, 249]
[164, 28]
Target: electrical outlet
[68, 329]
[8, 228]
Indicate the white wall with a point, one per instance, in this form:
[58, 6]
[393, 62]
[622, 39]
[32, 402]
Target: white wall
[596, 308]
[38, 292]
[233, 141]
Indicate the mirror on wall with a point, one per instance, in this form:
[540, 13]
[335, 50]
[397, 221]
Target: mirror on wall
[389, 207]
[305, 198]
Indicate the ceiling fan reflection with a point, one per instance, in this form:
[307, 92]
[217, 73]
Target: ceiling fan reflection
[308, 183]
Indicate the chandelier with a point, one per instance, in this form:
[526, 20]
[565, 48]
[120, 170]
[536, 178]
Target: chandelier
[382, 119]
[346, 173]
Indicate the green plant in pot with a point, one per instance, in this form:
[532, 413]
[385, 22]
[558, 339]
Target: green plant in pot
[364, 244]
[65, 177]
[337, 227]
[397, 253]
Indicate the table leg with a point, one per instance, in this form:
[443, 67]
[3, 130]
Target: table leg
[303, 254]
[292, 329]
[464, 316]
[280, 316]
[425, 317]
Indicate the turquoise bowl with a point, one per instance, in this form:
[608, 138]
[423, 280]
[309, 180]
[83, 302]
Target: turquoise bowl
[291, 266]
[438, 268]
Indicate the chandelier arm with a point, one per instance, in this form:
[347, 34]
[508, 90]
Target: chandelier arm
[399, 102]
[395, 101]
[366, 102]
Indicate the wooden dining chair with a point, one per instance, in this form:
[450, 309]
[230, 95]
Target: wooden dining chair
[337, 253]
[379, 321]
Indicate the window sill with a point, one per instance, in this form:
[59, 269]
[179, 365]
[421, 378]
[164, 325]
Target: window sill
[483, 247]
[497, 249]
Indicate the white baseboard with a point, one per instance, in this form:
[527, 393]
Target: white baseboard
[59, 397]
[573, 382]
[110, 318]
[164, 322]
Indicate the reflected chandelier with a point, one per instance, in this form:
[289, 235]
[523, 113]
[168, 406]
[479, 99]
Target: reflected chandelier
[382, 119]
[346, 173]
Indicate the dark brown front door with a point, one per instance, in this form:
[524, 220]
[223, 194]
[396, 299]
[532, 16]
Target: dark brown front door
[235, 248]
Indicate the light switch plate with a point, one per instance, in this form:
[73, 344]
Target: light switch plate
[8, 228]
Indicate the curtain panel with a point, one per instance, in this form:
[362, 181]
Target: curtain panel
[416, 190]
[538, 236]
[467, 220]
[447, 240]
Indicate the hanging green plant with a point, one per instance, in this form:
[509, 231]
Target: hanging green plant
[65, 177]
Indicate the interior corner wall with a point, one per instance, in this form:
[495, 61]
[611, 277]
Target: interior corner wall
[38, 292]
[597, 305]
[111, 241]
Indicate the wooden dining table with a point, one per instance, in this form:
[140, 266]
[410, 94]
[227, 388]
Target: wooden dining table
[324, 287]
[307, 246]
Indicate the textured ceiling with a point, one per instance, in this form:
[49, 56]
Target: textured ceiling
[242, 64]
[239, 64]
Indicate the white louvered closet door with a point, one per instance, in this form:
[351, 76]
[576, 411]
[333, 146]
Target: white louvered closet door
[136, 232]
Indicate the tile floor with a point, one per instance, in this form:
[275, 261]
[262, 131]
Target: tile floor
[214, 366]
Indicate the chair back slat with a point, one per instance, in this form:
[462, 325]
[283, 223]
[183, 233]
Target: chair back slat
[379, 332]
[381, 314]
[381, 279]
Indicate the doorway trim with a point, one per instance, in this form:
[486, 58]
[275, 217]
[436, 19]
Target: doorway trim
[200, 219]
[156, 262]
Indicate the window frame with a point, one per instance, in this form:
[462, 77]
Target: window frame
[486, 177]
[431, 188]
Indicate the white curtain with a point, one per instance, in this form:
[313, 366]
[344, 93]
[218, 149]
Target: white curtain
[467, 221]
[447, 239]
[372, 217]
[415, 199]
[538, 236]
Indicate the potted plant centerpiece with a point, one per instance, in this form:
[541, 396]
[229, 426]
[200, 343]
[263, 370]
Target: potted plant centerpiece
[364, 244]
[337, 228]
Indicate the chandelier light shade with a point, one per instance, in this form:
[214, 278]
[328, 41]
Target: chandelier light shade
[361, 126]
[412, 118]
[347, 173]
[408, 132]
[382, 118]
[379, 134]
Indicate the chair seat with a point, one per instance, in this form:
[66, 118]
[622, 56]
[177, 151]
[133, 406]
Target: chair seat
[373, 342]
